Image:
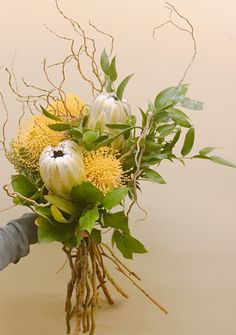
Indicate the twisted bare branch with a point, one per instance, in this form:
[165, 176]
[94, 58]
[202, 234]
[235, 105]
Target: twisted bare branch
[190, 31]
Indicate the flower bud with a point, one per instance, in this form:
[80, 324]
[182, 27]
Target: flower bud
[62, 167]
[107, 109]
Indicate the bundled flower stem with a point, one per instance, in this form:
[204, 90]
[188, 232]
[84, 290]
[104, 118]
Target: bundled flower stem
[88, 275]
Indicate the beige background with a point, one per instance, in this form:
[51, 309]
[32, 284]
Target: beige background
[191, 227]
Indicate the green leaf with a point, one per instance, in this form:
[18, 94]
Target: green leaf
[162, 117]
[104, 62]
[152, 146]
[222, 161]
[57, 215]
[117, 220]
[164, 97]
[206, 150]
[108, 84]
[49, 115]
[152, 160]
[114, 197]
[101, 138]
[188, 142]
[45, 212]
[88, 220]
[86, 194]
[133, 244]
[132, 120]
[96, 235]
[46, 231]
[59, 126]
[178, 113]
[118, 240]
[113, 73]
[171, 145]
[169, 94]
[77, 132]
[144, 117]
[180, 117]
[117, 126]
[153, 176]
[90, 136]
[201, 157]
[122, 86]
[65, 205]
[49, 233]
[22, 185]
[166, 129]
[190, 104]
[181, 121]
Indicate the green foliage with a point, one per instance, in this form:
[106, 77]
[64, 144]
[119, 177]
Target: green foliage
[76, 132]
[23, 186]
[65, 205]
[216, 159]
[88, 219]
[180, 120]
[118, 126]
[86, 194]
[48, 232]
[122, 86]
[114, 197]
[104, 62]
[152, 175]
[96, 235]
[49, 115]
[190, 104]
[57, 215]
[171, 145]
[118, 240]
[90, 136]
[127, 244]
[176, 95]
[117, 220]
[167, 96]
[207, 150]
[152, 146]
[188, 142]
[166, 129]
[222, 161]
[113, 72]
[59, 126]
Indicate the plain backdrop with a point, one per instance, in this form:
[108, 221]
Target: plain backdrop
[190, 230]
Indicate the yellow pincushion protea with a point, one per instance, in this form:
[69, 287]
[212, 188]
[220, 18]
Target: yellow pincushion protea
[33, 137]
[72, 107]
[103, 169]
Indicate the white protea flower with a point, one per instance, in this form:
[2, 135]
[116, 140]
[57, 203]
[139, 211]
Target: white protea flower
[107, 109]
[62, 167]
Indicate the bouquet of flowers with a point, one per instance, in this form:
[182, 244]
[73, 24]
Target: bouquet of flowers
[80, 167]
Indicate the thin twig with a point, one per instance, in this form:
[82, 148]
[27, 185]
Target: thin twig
[190, 31]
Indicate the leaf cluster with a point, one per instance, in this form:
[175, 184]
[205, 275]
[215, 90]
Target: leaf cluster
[86, 213]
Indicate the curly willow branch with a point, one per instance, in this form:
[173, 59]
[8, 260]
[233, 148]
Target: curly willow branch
[190, 31]
[88, 47]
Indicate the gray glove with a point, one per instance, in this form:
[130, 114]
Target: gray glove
[16, 237]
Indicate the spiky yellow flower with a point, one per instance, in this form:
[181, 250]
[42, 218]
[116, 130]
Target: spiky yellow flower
[103, 169]
[33, 137]
[71, 107]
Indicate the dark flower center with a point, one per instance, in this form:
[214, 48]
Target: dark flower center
[58, 153]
